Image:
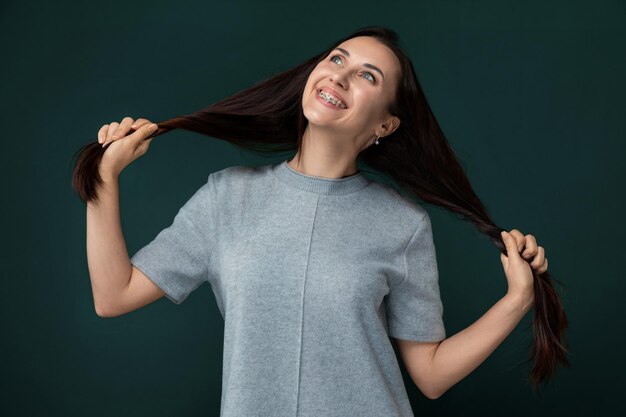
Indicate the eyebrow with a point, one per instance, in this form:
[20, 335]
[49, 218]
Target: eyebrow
[375, 68]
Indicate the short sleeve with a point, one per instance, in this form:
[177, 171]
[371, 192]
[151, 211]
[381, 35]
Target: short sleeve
[178, 258]
[414, 307]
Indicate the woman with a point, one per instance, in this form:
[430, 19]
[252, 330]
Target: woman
[314, 265]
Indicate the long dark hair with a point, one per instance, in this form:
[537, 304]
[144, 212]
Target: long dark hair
[268, 118]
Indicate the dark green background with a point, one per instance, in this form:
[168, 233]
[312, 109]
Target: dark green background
[530, 94]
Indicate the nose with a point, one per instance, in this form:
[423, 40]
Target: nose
[339, 78]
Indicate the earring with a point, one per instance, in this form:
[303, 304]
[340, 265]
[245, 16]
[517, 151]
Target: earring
[377, 137]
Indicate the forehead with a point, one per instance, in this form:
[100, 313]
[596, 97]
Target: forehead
[370, 50]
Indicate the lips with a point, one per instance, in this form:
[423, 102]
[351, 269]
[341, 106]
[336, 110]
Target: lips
[334, 93]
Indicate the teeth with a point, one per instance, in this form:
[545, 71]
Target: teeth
[329, 98]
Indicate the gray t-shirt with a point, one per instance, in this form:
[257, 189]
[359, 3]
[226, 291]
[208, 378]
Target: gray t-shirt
[311, 275]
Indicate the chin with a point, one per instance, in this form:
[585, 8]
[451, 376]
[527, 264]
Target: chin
[315, 116]
[319, 116]
[317, 119]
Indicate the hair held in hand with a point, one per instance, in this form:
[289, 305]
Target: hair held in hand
[267, 119]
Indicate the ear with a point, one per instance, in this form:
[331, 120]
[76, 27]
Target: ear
[389, 126]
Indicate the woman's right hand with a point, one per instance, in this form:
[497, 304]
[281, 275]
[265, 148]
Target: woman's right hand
[123, 148]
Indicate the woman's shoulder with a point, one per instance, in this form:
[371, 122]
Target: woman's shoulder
[232, 175]
[389, 198]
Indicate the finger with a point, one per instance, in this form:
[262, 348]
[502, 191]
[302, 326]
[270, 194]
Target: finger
[102, 133]
[531, 247]
[112, 127]
[511, 245]
[543, 268]
[139, 122]
[520, 240]
[143, 132]
[123, 128]
[539, 258]
[109, 133]
[143, 146]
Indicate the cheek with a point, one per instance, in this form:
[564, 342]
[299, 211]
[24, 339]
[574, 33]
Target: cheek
[369, 104]
[314, 79]
[308, 94]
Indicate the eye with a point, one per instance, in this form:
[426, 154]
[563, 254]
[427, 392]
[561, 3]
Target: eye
[373, 79]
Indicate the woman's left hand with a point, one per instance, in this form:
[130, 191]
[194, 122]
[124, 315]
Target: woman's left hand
[517, 268]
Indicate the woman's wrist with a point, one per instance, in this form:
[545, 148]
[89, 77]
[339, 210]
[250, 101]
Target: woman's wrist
[521, 299]
[108, 175]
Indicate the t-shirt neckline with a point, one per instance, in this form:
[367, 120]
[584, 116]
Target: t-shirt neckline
[320, 185]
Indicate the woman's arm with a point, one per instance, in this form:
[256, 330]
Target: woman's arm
[117, 287]
[457, 356]
[107, 256]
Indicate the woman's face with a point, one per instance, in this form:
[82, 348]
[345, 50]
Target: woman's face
[353, 71]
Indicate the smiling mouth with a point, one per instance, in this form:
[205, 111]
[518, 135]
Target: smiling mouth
[329, 98]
